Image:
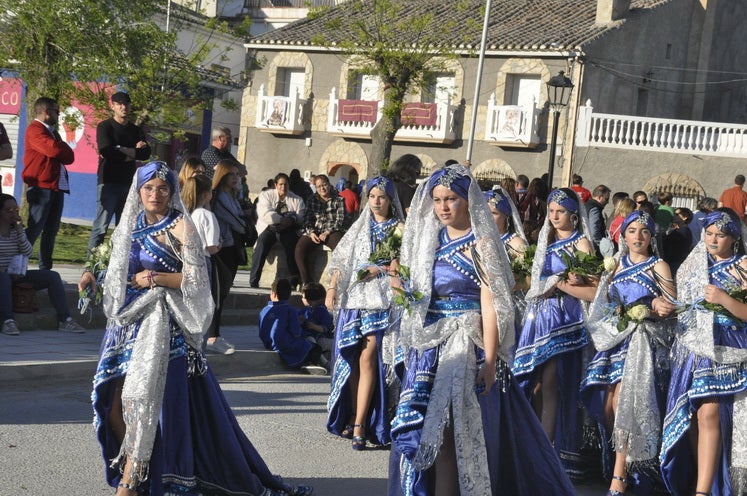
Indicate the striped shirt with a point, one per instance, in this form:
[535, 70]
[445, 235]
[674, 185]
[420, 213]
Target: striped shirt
[15, 244]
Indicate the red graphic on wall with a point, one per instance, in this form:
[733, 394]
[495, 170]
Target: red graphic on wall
[10, 95]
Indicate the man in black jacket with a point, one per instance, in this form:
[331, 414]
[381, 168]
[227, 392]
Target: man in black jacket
[595, 208]
[120, 144]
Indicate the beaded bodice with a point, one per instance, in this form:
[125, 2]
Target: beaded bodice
[634, 281]
[553, 260]
[149, 253]
[454, 273]
[720, 273]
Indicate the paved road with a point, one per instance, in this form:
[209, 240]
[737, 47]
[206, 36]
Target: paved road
[47, 444]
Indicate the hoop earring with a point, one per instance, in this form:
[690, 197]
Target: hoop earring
[735, 249]
[574, 220]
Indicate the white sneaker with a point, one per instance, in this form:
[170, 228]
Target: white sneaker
[314, 369]
[70, 326]
[10, 328]
[221, 346]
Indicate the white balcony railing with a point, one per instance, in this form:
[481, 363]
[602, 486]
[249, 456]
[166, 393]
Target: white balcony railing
[414, 129]
[661, 135]
[511, 125]
[279, 114]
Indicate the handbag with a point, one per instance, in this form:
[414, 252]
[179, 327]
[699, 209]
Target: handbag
[18, 265]
[24, 298]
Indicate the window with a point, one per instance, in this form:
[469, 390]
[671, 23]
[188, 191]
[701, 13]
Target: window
[363, 86]
[522, 90]
[289, 81]
[438, 87]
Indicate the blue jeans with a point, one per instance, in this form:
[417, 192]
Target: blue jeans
[40, 279]
[45, 212]
[111, 202]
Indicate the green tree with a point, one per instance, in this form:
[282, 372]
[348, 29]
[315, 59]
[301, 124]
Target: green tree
[402, 42]
[54, 45]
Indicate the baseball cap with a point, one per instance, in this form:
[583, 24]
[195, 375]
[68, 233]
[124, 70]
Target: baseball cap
[121, 97]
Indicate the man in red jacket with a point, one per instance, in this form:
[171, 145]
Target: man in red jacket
[44, 172]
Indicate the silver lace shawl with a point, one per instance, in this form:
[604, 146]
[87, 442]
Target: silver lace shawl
[351, 254]
[191, 307]
[515, 217]
[696, 334]
[455, 380]
[538, 286]
[637, 426]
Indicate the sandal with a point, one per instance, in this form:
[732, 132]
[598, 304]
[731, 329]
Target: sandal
[359, 442]
[347, 432]
[613, 492]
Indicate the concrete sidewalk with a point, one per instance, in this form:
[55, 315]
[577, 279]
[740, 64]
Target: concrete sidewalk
[49, 355]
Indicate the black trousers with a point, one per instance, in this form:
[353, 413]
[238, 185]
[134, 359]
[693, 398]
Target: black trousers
[287, 238]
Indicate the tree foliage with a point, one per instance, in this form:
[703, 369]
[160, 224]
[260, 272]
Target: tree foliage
[54, 46]
[401, 41]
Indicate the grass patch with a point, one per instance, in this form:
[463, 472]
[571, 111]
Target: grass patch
[72, 242]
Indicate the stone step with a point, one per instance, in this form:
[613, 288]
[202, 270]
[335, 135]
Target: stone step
[240, 308]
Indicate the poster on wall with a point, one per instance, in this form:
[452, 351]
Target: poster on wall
[8, 178]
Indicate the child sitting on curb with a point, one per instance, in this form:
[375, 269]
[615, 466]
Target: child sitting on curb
[316, 320]
[280, 331]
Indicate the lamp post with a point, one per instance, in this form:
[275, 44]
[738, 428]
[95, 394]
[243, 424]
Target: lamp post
[559, 89]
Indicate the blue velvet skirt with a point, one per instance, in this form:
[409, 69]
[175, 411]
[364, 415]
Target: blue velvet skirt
[199, 447]
[694, 379]
[351, 328]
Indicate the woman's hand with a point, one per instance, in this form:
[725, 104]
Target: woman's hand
[323, 237]
[315, 238]
[87, 280]
[331, 298]
[714, 294]
[373, 272]
[142, 280]
[485, 377]
[576, 280]
[661, 307]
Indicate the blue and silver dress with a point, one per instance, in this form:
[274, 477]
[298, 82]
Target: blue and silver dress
[696, 378]
[553, 327]
[353, 325]
[199, 447]
[512, 456]
[638, 356]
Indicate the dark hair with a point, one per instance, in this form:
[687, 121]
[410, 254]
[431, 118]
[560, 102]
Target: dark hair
[405, 169]
[620, 195]
[451, 161]
[601, 190]
[707, 204]
[523, 180]
[739, 180]
[577, 179]
[281, 175]
[686, 212]
[5, 197]
[43, 103]
[664, 197]
[313, 291]
[282, 288]
[647, 207]
[640, 193]
[539, 189]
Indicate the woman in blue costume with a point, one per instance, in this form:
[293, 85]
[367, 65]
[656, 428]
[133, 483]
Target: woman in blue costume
[625, 385]
[358, 405]
[704, 445]
[162, 421]
[507, 221]
[550, 350]
[457, 340]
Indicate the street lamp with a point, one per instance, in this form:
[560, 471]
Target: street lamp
[559, 89]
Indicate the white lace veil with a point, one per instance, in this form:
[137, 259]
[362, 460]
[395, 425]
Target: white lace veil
[352, 253]
[540, 286]
[418, 253]
[197, 308]
[515, 217]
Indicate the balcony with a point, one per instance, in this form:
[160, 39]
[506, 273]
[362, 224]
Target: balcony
[279, 114]
[660, 135]
[421, 122]
[511, 125]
